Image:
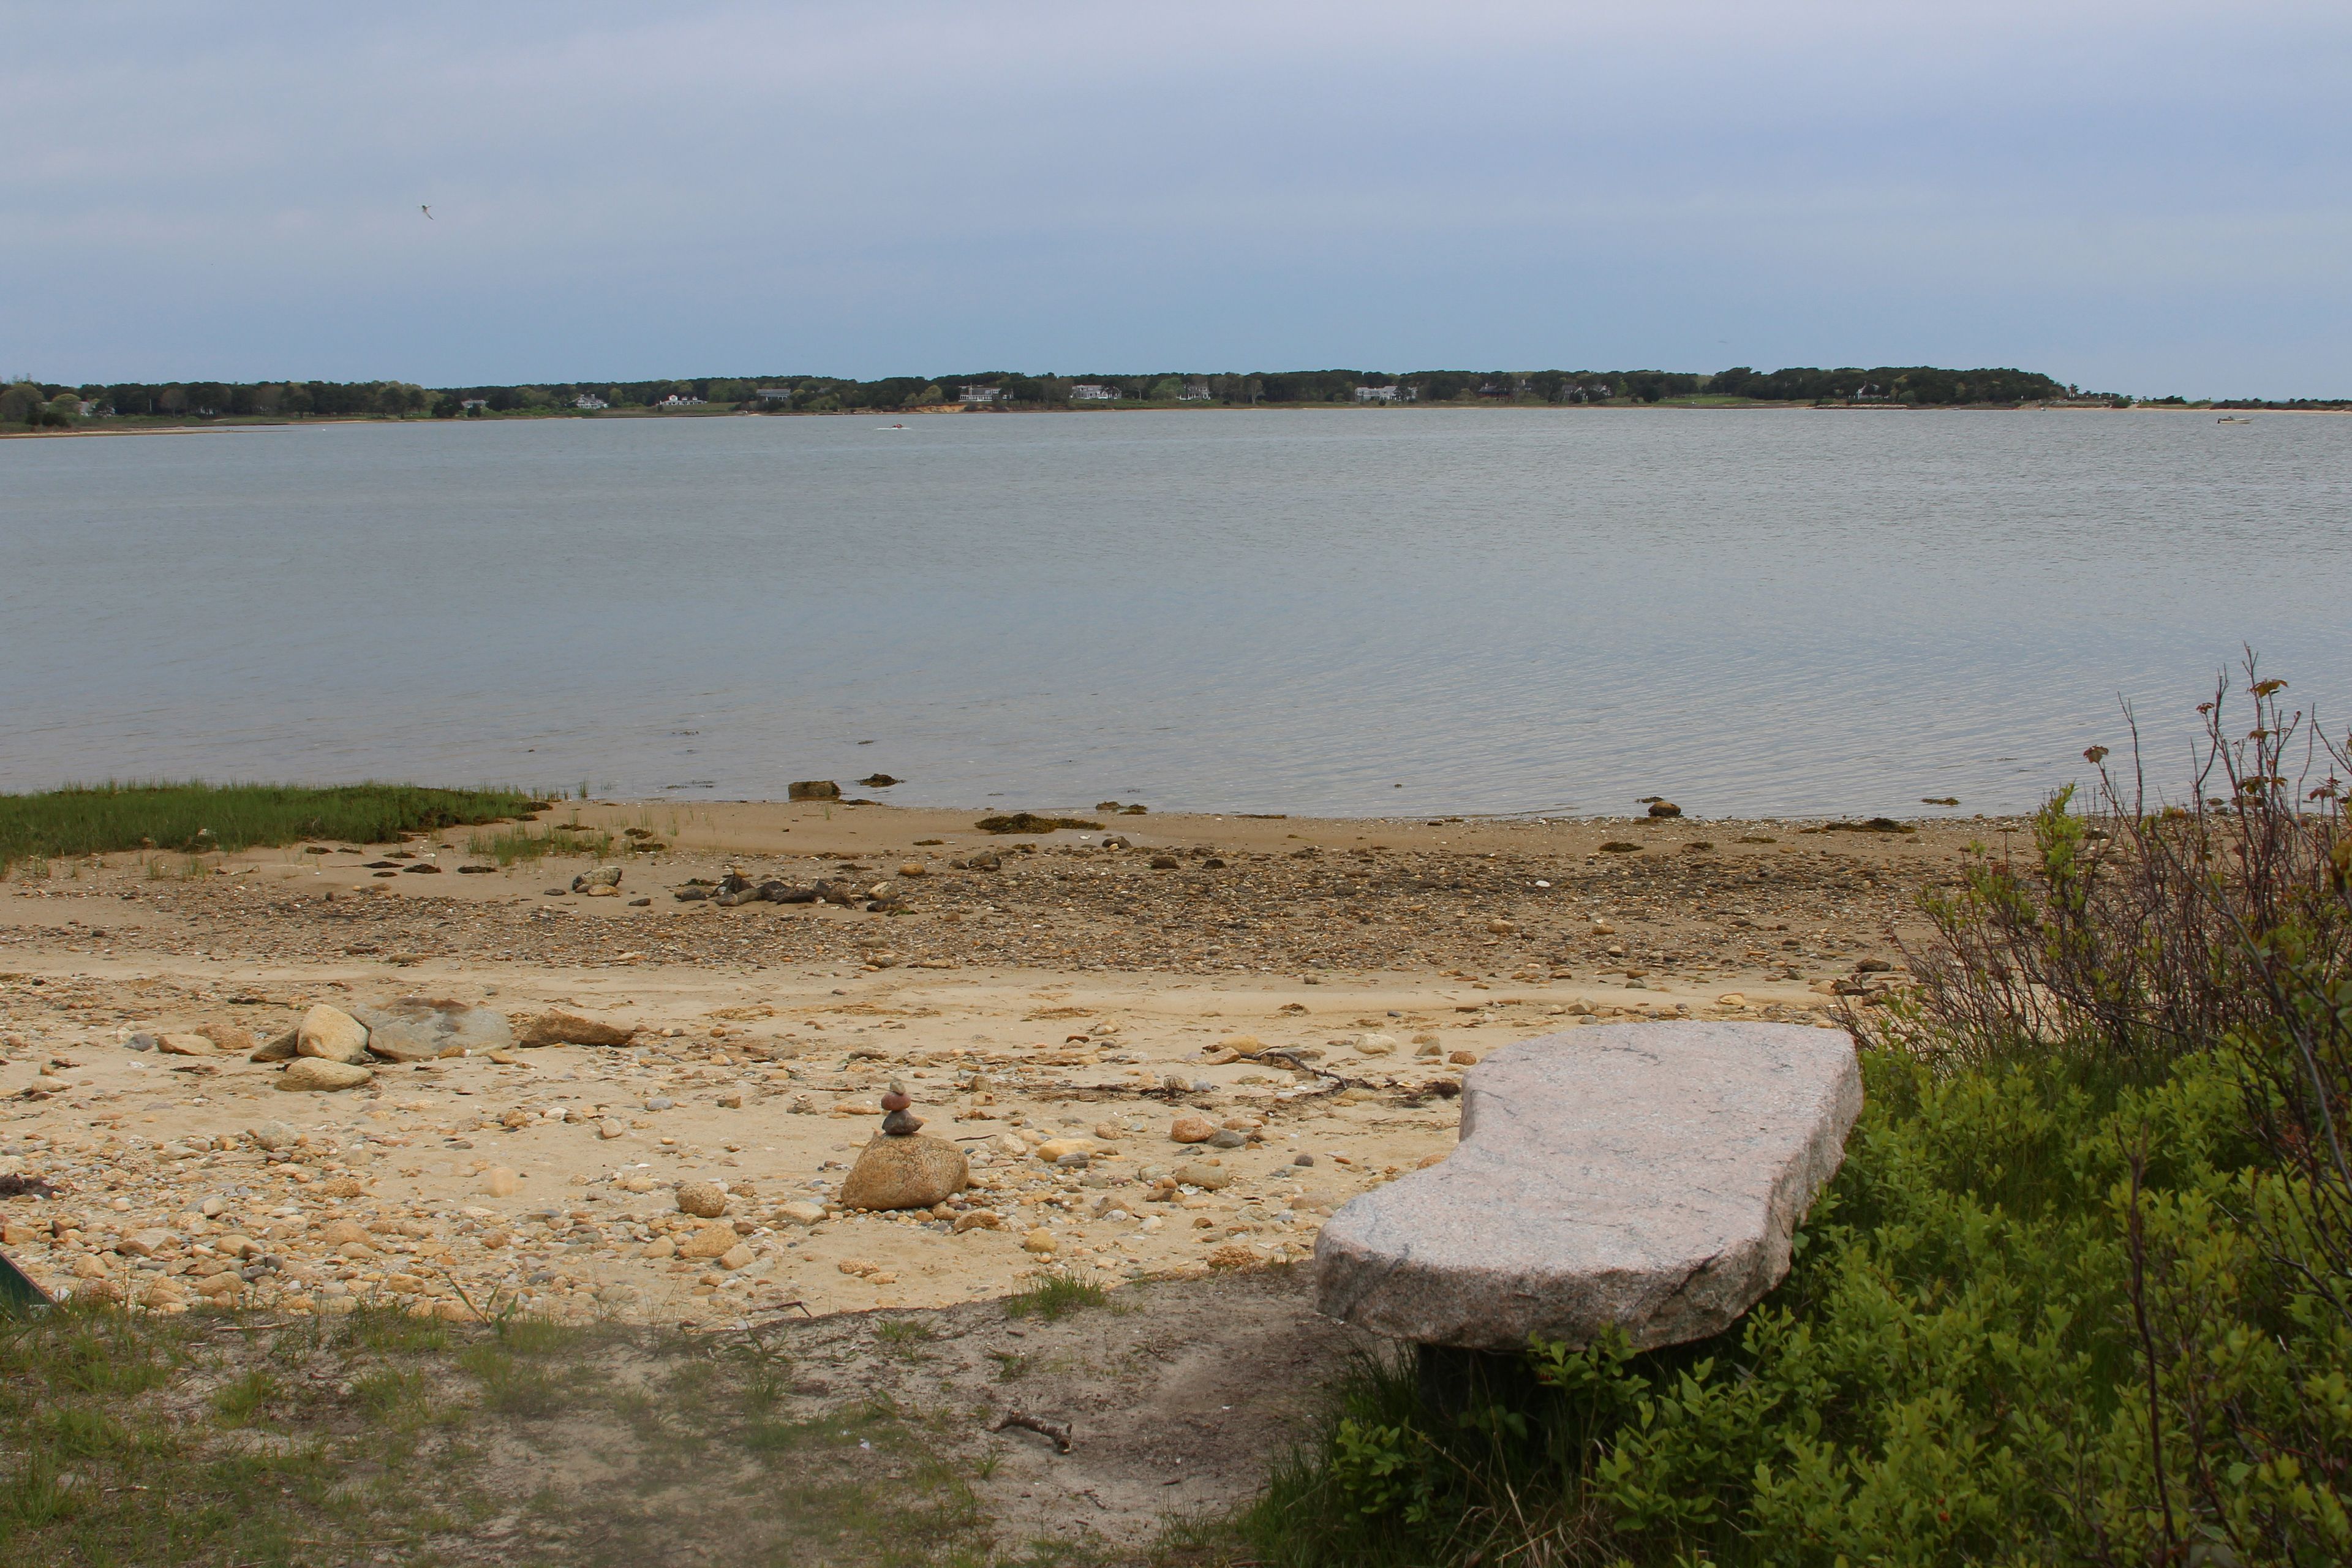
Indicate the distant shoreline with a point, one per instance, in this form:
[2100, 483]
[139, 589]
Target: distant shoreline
[150, 424]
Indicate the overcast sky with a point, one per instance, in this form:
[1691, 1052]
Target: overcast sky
[2148, 197]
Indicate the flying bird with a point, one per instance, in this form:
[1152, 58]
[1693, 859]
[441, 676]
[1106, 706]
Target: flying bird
[427, 211]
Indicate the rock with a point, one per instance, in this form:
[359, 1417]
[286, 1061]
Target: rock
[316, 1073]
[736, 1256]
[706, 1199]
[1192, 1129]
[281, 1049]
[1377, 1045]
[185, 1046]
[500, 1181]
[571, 1029]
[878, 780]
[1227, 1138]
[602, 877]
[801, 1211]
[1040, 1242]
[1053, 1150]
[813, 789]
[1463, 1058]
[1242, 1045]
[1647, 1176]
[331, 1035]
[612, 1127]
[423, 1028]
[341, 1233]
[1302, 1158]
[274, 1135]
[144, 1243]
[1201, 1174]
[901, 1124]
[714, 1240]
[1234, 1255]
[910, 1173]
[978, 1219]
[1665, 809]
[228, 1037]
[986, 860]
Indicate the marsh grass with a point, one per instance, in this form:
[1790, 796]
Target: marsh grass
[195, 817]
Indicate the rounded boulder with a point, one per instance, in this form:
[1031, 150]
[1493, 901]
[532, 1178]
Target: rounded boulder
[910, 1173]
[330, 1034]
[706, 1200]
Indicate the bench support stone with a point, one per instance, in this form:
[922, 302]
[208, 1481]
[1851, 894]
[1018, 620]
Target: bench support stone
[1648, 1176]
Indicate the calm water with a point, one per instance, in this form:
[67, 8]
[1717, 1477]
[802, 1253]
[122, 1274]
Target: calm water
[1753, 614]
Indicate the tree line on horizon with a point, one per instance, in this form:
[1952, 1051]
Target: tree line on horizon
[35, 404]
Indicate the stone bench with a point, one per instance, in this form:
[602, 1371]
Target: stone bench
[1645, 1175]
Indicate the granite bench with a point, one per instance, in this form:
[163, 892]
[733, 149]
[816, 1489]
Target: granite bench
[1648, 1176]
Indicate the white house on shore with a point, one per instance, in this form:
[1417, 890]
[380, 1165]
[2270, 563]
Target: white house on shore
[1093, 391]
[590, 400]
[1376, 395]
[979, 394]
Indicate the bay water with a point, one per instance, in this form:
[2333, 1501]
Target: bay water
[1343, 612]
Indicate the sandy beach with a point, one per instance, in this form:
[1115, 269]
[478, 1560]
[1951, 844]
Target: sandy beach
[1075, 991]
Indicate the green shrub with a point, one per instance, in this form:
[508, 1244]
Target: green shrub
[2078, 1294]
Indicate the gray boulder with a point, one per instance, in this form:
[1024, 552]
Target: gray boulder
[1645, 1175]
[421, 1029]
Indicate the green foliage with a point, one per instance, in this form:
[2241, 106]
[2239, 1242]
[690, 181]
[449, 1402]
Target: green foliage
[1952, 1372]
[95, 819]
[2078, 1294]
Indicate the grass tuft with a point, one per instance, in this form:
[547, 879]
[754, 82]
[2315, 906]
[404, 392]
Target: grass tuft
[1055, 1296]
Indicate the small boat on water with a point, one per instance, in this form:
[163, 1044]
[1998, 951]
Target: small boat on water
[2231, 419]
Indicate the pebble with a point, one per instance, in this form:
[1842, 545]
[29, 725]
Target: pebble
[1192, 1129]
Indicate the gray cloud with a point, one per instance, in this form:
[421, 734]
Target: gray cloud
[2148, 195]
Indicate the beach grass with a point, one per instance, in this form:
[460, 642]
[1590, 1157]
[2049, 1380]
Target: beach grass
[196, 818]
[508, 845]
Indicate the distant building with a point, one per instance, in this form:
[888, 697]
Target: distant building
[776, 394]
[981, 394]
[590, 400]
[1093, 391]
[1376, 394]
[479, 403]
[1195, 391]
[678, 400]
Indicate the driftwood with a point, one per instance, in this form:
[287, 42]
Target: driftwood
[1060, 1435]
